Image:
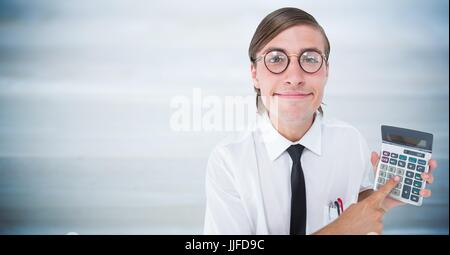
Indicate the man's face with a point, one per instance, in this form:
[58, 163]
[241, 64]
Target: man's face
[293, 95]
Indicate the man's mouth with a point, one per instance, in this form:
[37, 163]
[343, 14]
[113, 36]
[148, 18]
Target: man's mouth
[293, 95]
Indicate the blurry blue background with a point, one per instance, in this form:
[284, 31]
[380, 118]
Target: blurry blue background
[85, 90]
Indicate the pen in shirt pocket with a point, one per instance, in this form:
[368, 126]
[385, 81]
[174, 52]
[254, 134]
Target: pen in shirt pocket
[341, 204]
[337, 205]
[333, 210]
[338, 208]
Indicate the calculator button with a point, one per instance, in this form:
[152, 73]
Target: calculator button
[379, 186]
[420, 169]
[398, 186]
[393, 162]
[413, 160]
[401, 163]
[389, 176]
[408, 181]
[384, 159]
[409, 174]
[406, 191]
[400, 171]
[416, 191]
[417, 184]
[414, 198]
[383, 173]
[395, 192]
[386, 153]
[402, 157]
[411, 166]
[394, 155]
[400, 178]
[383, 167]
[418, 177]
[392, 169]
[381, 180]
[422, 162]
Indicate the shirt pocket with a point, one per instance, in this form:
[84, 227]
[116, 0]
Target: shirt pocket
[330, 213]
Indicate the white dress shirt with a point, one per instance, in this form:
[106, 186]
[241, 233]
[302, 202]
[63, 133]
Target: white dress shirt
[248, 178]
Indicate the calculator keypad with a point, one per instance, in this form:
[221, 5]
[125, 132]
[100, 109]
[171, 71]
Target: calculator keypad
[408, 168]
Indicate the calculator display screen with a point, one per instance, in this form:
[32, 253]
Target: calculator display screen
[407, 137]
[408, 141]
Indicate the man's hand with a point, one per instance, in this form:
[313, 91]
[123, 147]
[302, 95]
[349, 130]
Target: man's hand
[364, 217]
[390, 203]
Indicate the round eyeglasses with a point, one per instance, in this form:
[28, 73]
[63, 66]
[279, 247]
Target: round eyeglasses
[277, 61]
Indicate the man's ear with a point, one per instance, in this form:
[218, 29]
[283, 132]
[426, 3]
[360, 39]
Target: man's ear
[253, 71]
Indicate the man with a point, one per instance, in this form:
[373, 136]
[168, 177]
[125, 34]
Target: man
[297, 172]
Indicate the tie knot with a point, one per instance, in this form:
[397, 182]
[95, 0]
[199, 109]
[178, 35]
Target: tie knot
[295, 151]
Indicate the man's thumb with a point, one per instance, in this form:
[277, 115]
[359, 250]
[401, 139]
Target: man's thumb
[374, 158]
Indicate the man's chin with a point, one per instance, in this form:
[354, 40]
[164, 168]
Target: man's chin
[293, 114]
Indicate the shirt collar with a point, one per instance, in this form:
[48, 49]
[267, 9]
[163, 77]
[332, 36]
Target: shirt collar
[276, 144]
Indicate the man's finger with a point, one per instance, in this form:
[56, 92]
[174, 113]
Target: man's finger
[384, 190]
[425, 193]
[428, 177]
[433, 164]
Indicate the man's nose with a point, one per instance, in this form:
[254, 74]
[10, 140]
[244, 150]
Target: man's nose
[294, 73]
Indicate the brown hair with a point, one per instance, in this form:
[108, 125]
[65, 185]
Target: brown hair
[275, 23]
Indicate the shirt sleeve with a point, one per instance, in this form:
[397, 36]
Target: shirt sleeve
[225, 213]
[368, 174]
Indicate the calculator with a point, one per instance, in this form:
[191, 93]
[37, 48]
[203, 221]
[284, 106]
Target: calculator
[404, 153]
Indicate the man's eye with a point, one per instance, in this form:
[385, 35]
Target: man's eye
[276, 59]
[310, 60]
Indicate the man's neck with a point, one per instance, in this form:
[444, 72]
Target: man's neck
[292, 130]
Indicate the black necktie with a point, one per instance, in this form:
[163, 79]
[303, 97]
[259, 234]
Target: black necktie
[298, 200]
